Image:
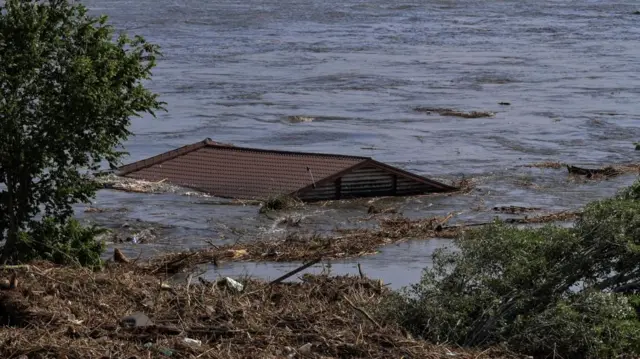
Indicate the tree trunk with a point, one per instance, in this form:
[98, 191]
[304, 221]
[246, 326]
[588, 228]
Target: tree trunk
[13, 226]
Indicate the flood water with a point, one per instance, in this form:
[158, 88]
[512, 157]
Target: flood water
[234, 70]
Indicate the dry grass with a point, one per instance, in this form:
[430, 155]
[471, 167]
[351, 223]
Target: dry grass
[70, 313]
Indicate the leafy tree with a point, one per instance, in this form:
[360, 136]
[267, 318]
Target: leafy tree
[68, 88]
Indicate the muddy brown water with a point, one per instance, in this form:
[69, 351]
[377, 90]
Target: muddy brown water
[236, 70]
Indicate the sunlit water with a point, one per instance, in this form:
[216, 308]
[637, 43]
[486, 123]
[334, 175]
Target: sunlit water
[234, 71]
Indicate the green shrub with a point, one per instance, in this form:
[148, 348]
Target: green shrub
[471, 296]
[66, 243]
[590, 324]
[546, 291]
[631, 193]
[610, 247]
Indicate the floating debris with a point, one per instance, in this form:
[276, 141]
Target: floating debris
[115, 182]
[608, 171]
[144, 236]
[299, 119]
[134, 233]
[375, 210]
[290, 221]
[549, 164]
[279, 203]
[103, 210]
[455, 113]
[515, 209]
[504, 103]
[605, 172]
[591, 173]
[341, 244]
[405, 228]
[297, 246]
[526, 182]
[465, 185]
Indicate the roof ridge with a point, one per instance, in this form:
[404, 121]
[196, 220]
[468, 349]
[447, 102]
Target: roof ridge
[210, 143]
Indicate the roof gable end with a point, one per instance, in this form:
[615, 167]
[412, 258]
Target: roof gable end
[371, 178]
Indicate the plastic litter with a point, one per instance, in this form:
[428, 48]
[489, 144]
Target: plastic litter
[136, 320]
[231, 284]
[192, 341]
[164, 351]
[305, 349]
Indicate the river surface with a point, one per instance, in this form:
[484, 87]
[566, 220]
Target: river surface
[235, 70]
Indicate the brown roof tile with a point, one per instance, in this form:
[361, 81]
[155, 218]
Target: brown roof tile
[236, 172]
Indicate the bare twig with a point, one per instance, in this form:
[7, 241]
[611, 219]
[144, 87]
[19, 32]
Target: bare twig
[13, 267]
[362, 311]
[297, 270]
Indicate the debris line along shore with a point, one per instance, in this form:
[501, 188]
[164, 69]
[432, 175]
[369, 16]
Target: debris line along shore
[121, 312]
[345, 243]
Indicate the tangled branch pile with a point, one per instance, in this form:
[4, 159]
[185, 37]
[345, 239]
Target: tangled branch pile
[63, 312]
[295, 246]
[346, 243]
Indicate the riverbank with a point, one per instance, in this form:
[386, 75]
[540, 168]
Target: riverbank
[125, 312]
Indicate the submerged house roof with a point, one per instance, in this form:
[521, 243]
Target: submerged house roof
[248, 173]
